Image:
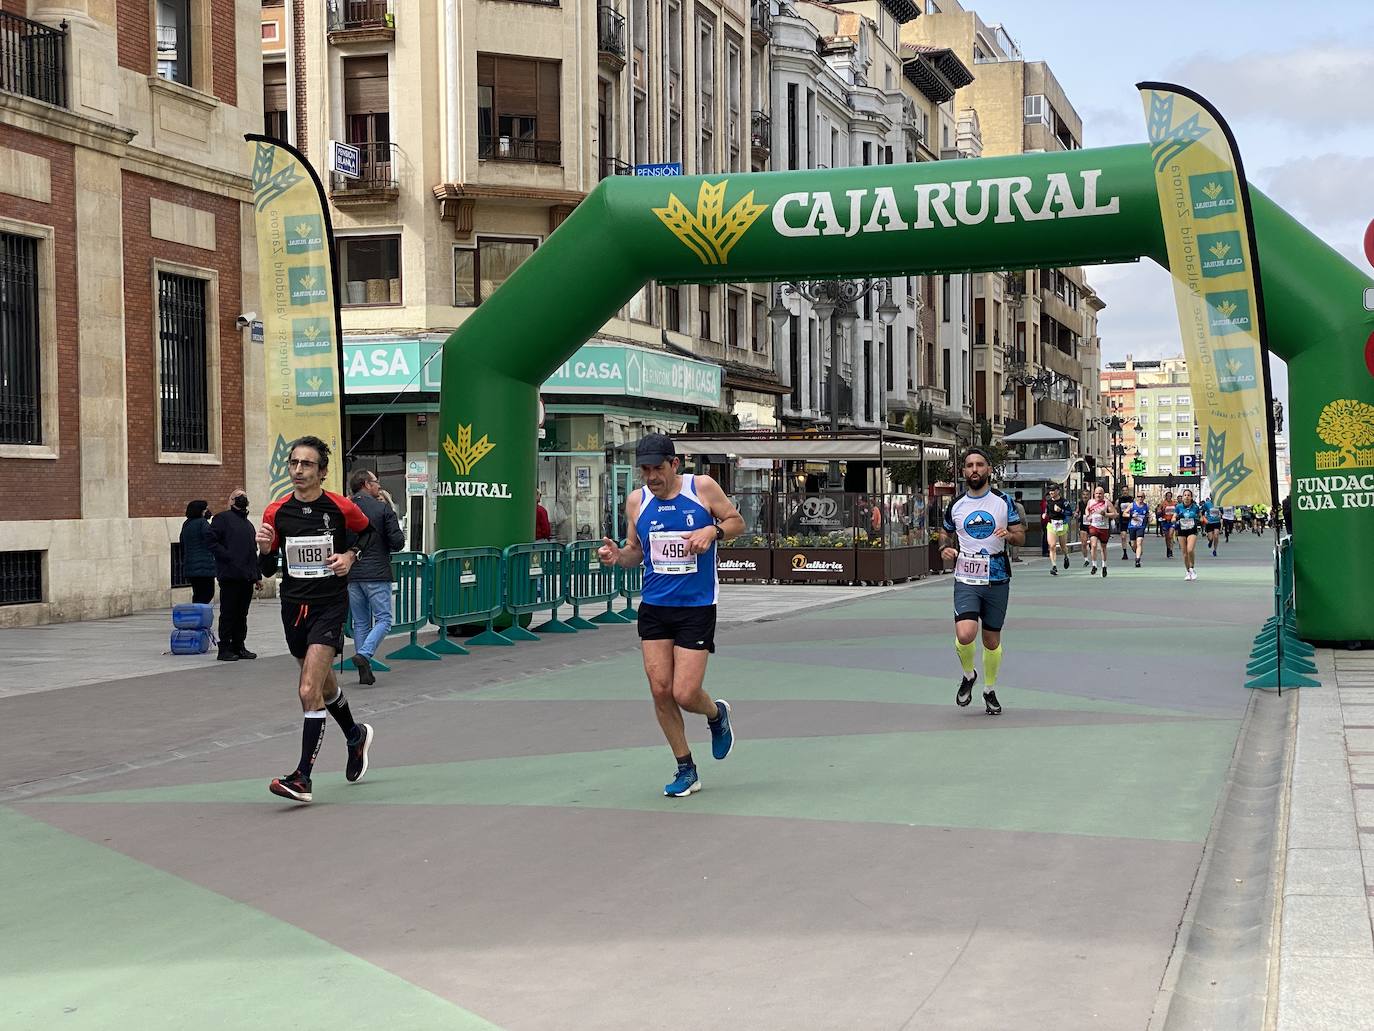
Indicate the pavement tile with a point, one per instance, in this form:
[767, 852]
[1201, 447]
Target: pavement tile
[1360, 741]
[1308, 828]
[1324, 871]
[1318, 925]
[1322, 994]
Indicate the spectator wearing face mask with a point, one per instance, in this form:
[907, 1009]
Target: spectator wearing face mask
[233, 539]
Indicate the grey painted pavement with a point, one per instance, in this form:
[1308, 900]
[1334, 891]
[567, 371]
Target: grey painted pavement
[963, 948]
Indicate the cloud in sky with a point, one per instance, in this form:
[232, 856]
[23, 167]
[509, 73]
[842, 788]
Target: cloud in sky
[1312, 89]
[1333, 194]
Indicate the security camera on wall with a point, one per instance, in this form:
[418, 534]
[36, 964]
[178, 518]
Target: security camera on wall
[246, 319]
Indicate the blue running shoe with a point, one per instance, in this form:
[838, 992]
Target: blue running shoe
[684, 783]
[722, 737]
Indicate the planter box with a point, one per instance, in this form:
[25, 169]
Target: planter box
[876, 564]
[814, 565]
[744, 565]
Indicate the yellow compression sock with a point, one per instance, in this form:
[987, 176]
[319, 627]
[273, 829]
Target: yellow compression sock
[992, 662]
[965, 653]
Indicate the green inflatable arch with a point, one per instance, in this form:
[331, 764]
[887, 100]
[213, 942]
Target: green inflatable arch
[1028, 211]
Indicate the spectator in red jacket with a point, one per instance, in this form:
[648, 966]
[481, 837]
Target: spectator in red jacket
[542, 530]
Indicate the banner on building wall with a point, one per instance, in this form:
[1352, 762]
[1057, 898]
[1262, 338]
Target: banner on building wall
[1209, 233]
[299, 317]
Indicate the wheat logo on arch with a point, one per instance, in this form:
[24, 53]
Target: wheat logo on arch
[1348, 426]
[467, 452]
[710, 232]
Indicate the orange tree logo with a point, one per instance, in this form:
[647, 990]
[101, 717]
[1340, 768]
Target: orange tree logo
[1348, 426]
[467, 452]
[711, 232]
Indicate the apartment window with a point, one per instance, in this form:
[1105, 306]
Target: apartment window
[734, 318]
[21, 343]
[794, 365]
[641, 306]
[704, 303]
[1184, 399]
[478, 271]
[945, 300]
[1166, 452]
[174, 40]
[367, 116]
[810, 128]
[706, 95]
[1166, 400]
[867, 154]
[760, 326]
[183, 364]
[674, 84]
[518, 103]
[1164, 470]
[1166, 435]
[672, 308]
[274, 101]
[1184, 434]
[369, 270]
[793, 149]
[944, 359]
[1166, 417]
[21, 577]
[910, 358]
[639, 64]
[734, 81]
[1144, 402]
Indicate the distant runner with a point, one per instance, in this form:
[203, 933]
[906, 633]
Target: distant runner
[1122, 508]
[1137, 519]
[978, 526]
[1084, 538]
[1167, 511]
[1098, 515]
[1211, 513]
[1057, 517]
[1189, 516]
[1228, 519]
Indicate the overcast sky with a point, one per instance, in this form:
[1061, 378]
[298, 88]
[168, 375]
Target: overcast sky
[1295, 82]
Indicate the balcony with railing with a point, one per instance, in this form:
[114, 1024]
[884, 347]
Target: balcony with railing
[377, 183]
[610, 37]
[760, 135]
[33, 59]
[608, 166]
[522, 149]
[761, 20]
[361, 21]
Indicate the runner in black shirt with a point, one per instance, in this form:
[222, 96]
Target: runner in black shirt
[311, 527]
[1058, 515]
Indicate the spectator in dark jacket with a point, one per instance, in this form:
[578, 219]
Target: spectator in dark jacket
[369, 581]
[542, 530]
[233, 539]
[197, 560]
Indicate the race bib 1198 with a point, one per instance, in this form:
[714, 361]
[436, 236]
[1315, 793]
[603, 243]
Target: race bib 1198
[306, 557]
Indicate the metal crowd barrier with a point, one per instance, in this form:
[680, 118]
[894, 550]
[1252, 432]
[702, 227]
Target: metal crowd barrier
[534, 582]
[411, 571]
[589, 583]
[630, 586]
[467, 589]
[1280, 658]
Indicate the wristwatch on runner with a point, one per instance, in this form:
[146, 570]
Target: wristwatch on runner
[720, 532]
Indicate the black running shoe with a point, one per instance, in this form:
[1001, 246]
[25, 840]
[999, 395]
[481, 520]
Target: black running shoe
[1066, 561]
[994, 707]
[357, 754]
[965, 694]
[244, 653]
[295, 786]
[364, 668]
[1104, 570]
[1085, 563]
[1137, 563]
[1054, 570]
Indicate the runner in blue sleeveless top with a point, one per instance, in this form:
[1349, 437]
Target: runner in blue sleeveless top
[672, 526]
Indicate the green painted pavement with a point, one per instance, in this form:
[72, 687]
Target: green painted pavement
[757, 680]
[1143, 780]
[94, 939]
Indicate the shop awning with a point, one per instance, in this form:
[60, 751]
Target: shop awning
[801, 449]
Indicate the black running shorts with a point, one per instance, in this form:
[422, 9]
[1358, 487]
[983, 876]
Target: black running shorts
[314, 623]
[687, 626]
[986, 603]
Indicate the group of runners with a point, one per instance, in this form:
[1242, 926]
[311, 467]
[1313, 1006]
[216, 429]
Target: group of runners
[674, 524]
[1180, 520]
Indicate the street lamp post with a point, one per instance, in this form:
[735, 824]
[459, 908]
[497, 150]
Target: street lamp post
[1040, 384]
[833, 300]
[1116, 428]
